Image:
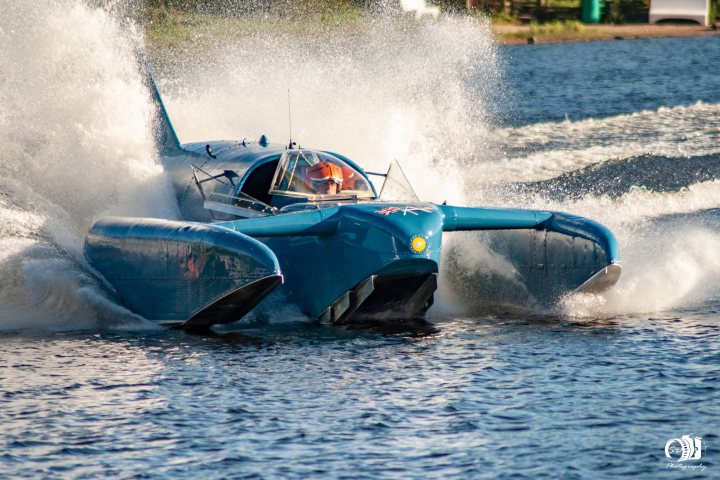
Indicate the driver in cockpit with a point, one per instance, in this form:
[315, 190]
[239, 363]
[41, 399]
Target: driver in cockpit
[326, 178]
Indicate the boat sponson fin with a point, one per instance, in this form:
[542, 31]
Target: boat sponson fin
[602, 280]
[344, 307]
[395, 298]
[235, 305]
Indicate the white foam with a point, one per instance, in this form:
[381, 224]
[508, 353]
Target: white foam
[668, 248]
[75, 143]
[663, 269]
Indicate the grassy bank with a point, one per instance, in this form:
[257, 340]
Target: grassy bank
[577, 32]
[170, 27]
[175, 27]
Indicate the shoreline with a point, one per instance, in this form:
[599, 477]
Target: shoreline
[508, 34]
[177, 28]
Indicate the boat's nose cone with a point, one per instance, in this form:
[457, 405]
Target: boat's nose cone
[415, 230]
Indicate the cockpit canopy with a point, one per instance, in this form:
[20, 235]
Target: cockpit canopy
[309, 173]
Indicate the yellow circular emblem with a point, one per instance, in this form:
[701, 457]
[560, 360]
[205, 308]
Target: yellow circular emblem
[418, 243]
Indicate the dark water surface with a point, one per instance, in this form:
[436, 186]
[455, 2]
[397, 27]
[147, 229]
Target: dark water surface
[482, 397]
[600, 79]
[491, 396]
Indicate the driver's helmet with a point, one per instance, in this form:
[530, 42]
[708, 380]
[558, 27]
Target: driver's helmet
[324, 172]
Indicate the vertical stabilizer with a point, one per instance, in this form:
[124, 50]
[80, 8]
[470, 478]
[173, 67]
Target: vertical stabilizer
[165, 137]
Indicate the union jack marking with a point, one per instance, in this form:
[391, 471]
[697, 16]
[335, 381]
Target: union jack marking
[388, 210]
[406, 210]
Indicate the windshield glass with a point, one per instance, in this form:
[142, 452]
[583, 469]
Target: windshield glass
[397, 188]
[310, 173]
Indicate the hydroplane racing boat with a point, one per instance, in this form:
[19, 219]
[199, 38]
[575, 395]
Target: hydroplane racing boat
[259, 217]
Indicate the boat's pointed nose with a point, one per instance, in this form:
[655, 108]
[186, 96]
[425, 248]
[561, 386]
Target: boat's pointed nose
[414, 230]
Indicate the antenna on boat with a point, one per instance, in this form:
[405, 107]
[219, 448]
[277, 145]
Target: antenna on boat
[291, 144]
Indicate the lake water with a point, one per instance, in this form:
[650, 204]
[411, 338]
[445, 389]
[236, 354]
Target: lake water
[627, 132]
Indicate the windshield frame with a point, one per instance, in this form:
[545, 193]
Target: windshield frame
[313, 157]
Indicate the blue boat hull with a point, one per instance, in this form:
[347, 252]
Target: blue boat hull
[339, 262]
[351, 262]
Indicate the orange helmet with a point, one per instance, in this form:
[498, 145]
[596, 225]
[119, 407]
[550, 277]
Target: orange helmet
[324, 171]
[349, 178]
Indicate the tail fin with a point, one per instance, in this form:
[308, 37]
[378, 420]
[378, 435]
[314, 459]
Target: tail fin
[166, 139]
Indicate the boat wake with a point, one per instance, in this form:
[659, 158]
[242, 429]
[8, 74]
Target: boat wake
[546, 150]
